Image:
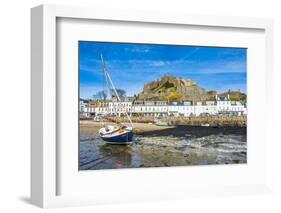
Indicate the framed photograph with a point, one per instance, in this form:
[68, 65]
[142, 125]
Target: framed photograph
[145, 105]
[129, 106]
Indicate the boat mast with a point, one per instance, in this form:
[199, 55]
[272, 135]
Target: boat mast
[109, 81]
[106, 78]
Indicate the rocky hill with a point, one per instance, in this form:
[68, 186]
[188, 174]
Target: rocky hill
[176, 89]
[173, 89]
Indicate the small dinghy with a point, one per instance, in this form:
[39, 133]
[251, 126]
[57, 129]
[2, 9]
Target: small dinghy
[115, 134]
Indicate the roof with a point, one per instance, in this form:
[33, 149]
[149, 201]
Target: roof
[222, 98]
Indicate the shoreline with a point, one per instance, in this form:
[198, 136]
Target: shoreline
[214, 121]
[146, 129]
[90, 126]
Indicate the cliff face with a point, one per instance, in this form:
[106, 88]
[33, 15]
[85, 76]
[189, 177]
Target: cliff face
[173, 89]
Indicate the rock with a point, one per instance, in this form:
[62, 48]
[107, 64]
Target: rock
[173, 89]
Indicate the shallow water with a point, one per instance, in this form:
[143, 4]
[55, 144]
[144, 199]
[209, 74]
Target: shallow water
[164, 149]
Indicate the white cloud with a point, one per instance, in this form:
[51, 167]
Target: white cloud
[158, 63]
[139, 49]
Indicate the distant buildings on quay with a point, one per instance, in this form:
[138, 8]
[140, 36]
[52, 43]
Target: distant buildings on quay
[221, 105]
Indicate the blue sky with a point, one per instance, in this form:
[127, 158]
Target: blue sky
[132, 65]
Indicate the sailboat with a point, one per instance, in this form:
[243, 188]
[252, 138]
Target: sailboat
[118, 133]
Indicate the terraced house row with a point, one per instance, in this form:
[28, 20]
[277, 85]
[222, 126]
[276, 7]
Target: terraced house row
[221, 105]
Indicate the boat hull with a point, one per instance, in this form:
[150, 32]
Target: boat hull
[124, 138]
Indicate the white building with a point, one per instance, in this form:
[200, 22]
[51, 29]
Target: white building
[82, 105]
[185, 110]
[94, 108]
[173, 109]
[205, 108]
[82, 108]
[150, 108]
[223, 103]
[89, 111]
[226, 106]
[120, 108]
[238, 108]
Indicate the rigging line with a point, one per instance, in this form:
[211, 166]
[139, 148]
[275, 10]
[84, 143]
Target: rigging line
[118, 97]
[109, 86]
[108, 78]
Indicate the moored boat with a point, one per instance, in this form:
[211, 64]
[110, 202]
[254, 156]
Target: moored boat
[115, 134]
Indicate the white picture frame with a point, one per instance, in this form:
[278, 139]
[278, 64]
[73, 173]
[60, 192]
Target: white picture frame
[44, 149]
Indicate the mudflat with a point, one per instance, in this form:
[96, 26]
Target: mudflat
[159, 146]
